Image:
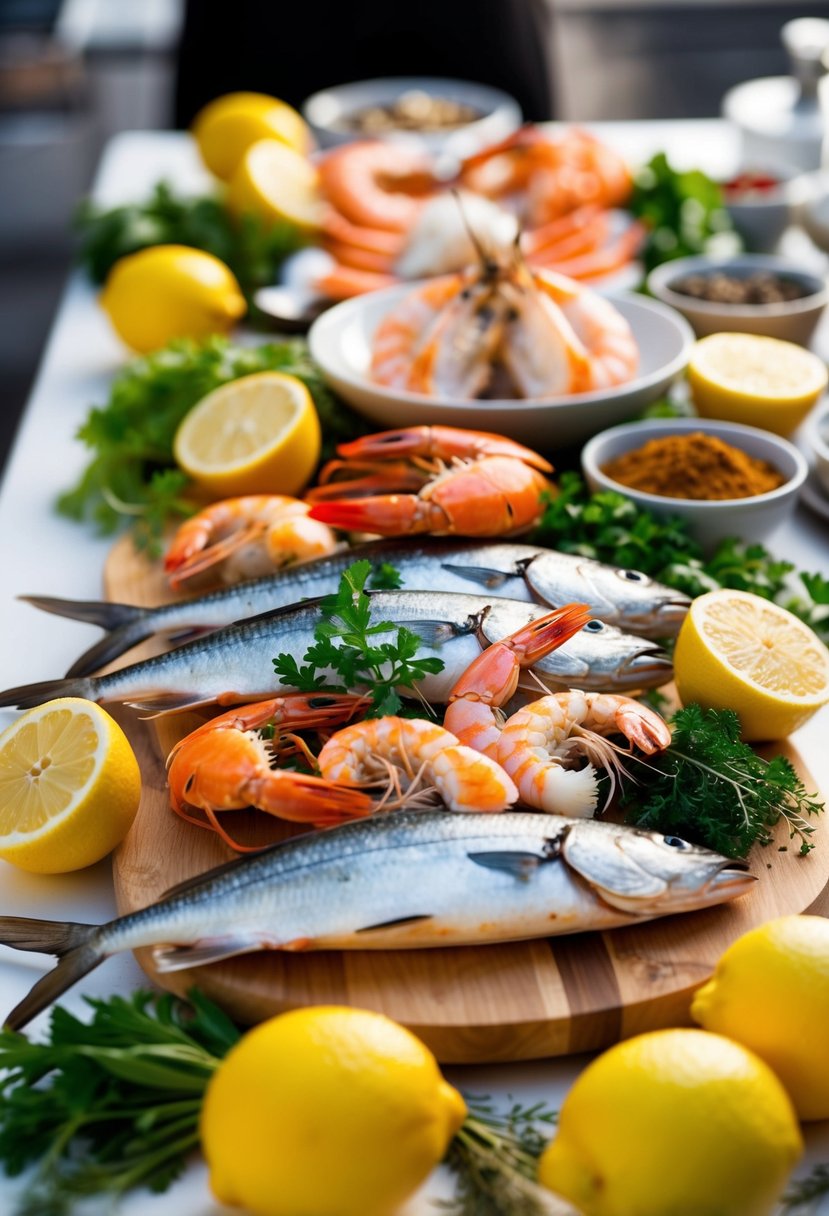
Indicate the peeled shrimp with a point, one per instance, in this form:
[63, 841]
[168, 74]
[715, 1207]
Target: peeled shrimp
[244, 538]
[537, 744]
[412, 753]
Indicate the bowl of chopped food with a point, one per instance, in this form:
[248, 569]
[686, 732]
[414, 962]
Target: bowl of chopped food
[722, 478]
[469, 351]
[454, 116]
[748, 293]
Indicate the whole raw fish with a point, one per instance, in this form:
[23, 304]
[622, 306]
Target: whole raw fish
[235, 664]
[625, 598]
[400, 881]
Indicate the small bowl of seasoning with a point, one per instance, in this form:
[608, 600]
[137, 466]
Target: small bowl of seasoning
[748, 293]
[445, 115]
[722, 478]
[758, 202]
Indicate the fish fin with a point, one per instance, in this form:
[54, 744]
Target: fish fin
[492, 580]
[170, 703]
[106, 615]
[393, 924]
[189, 634]
[27, 696]
[431, 633]
[520, 865]
[73, 944]
[179, 958]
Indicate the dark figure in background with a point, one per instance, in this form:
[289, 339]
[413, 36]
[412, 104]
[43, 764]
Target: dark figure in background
[292, 48]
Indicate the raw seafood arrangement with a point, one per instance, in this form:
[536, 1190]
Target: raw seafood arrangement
[463, 720]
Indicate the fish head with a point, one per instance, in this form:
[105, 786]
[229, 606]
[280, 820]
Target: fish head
[615, 594]
[648, 874]
[603, 658]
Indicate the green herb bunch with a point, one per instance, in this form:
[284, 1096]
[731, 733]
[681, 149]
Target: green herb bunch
[683, 211]
[102, 1107]
[132, 473]
[710, 787]
[253, 250]
[609, 527]
[347, 654]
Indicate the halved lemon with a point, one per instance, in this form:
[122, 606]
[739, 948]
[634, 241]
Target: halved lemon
[256, 435]
[278, 185]
[69, 787]
[738, 651]
[758, 381]
[227, 127]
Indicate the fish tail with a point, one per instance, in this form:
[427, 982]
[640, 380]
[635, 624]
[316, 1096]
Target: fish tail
[27, 696]
[74, 944]
[126, 626]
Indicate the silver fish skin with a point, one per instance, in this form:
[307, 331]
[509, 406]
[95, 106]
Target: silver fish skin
[626, 598]
[233, 665]
[404, 880]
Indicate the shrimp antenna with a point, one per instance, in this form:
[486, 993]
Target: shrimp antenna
[489, 264]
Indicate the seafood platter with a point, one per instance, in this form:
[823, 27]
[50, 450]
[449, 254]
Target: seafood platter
[403, 744]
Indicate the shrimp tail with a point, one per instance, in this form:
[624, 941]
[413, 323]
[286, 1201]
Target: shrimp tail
[74, 944]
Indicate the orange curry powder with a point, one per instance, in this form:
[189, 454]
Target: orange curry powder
[693, 465]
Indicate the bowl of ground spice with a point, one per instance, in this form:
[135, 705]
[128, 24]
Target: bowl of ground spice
[722, 478]
[748, 293]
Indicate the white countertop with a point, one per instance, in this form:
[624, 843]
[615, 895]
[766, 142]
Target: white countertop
[44, 553]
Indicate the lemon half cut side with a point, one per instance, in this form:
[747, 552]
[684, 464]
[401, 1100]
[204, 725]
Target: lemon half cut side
[69, 787]
[256, 435]
[738, 651]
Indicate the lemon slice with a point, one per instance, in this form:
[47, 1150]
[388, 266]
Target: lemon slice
[69, 787]
[256, 435]
[738, 651]
[226, 128]
[278, 185]
[759, 381]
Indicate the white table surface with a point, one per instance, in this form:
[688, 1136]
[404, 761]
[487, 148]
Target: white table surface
[44, 553]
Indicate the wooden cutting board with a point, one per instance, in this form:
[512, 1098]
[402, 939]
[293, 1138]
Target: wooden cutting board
[470, 1005]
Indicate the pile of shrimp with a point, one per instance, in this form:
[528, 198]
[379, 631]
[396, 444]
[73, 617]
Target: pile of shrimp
[480, 759]
[558, 192]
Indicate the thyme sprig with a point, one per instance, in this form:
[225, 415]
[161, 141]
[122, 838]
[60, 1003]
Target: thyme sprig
[494, 1158]
[803, 1192]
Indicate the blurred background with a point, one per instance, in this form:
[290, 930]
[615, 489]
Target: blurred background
[75, 72]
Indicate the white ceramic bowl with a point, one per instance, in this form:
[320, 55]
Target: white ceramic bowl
[500, 114]
[762, 216]
[340, 342]
[748, 519]
[817, 434]
[793, 321]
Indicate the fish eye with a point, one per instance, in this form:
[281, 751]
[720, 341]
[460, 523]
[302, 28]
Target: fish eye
[633, 576]
[676, 842]
[594, 627]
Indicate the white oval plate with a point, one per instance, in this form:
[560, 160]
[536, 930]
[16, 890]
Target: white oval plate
[340, 342]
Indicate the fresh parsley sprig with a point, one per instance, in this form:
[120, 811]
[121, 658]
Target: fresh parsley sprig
[610, 528]
[132, 473]
[347, 648]
[712, 788]
[111, 1104]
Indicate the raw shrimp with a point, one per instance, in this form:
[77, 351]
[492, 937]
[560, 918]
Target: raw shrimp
[245, 538]
[410, 753]
[538, 743]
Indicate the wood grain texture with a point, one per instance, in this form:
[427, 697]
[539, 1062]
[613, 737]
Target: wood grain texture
[517, 1001]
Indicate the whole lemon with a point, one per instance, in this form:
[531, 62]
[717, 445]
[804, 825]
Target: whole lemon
[226, 128]
[326, 1111]
[170, 291]
[674, 1123]
[770, 992]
